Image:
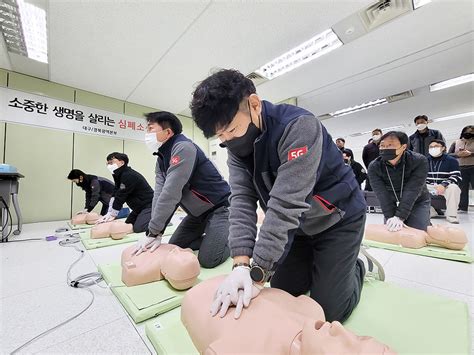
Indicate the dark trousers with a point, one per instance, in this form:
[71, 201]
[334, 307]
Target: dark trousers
[326, 264]
[139, 220]
[467, 174]
[367, 185]
[208, 234]
[419, 217]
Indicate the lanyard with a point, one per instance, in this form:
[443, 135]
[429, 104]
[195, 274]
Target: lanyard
[401, 187]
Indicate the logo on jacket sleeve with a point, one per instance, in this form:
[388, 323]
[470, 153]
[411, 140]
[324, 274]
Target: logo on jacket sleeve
[175, 160]
[297, 152]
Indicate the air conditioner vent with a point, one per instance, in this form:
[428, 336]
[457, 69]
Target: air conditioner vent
[256, 78]
[401, 96]
[383, 11]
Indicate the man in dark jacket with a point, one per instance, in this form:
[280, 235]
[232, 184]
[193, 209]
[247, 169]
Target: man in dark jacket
[283, 157]
[185, 177]
[97, 188]
[422, 138]
[444, 177]
[398, 178]
[358, 170]
[130, 188]
[371, 152]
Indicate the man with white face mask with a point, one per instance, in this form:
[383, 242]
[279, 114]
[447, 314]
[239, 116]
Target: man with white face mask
[185, 177]
[443, 179]
[131, 188]
[420, 141]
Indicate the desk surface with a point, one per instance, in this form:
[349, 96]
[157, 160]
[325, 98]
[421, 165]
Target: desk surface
[11, 175]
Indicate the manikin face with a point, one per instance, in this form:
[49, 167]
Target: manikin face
[332, 338]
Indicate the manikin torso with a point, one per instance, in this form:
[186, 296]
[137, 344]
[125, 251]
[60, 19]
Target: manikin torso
[275, 323]
[115, 230]
[439, 235]
[180, 267]
[85, 218]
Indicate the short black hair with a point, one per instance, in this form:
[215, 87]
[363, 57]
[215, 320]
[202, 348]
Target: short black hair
[166, 120]
[76, 174]
[465, 129]
[377, 130]
[423, 117]
[341, 139]
[217, 99]
[119, 156]
[439, 141]
[348, 152]
[401, 136]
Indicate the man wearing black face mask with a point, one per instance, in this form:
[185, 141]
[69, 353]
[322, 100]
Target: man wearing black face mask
[283, 157]
[398, 179]
[97, 188]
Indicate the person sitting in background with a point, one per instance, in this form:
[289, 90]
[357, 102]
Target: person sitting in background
[358, 170]
[443, 179]
[422, 138]
[463, 149]
[398, 178]
[130, 188]
[97, 188]
[341, 142]
[371, 152]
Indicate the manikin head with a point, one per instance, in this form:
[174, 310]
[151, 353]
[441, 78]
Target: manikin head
[421, 123]
[392, 146]
[447, 236]
[318, 337]
[116, 160]
[226, 104]
[161, 126]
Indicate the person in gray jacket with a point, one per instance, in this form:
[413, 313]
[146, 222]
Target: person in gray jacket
[185, 177]
[283, 157]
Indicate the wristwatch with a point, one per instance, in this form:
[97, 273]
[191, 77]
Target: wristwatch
[259, 274]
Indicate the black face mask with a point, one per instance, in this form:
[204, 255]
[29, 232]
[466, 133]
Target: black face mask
[388, 154]
[468, 135]
[242, 147]
[346, 161]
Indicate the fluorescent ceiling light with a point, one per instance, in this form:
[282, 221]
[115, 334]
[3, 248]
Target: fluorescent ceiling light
[314, 48]
[33, 23]
[24, 29]
[452, 82]
[364, 106]
[420, 3]
[453, 117]
[385, 129]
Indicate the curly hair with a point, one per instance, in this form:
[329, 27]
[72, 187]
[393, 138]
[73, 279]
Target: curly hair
[216, 100]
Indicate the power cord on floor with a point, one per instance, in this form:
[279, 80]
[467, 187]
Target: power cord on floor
[82, 282]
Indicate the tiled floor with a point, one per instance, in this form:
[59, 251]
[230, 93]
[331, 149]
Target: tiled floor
[35, 297]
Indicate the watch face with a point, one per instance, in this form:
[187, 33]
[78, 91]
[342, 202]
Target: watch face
[256, 274]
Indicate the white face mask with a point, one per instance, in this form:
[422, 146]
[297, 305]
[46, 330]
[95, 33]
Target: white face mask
[435, 152]
[112, 167]
[152, 142]
[376, 137]
[421, 126]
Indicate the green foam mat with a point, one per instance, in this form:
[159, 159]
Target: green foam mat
[147, 301]
[409, 321]
[90, 243]
[463, 255]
